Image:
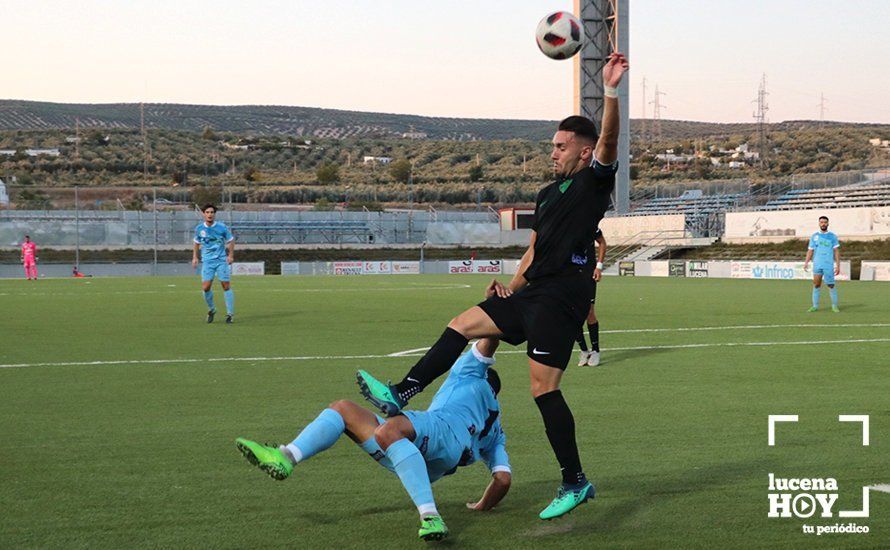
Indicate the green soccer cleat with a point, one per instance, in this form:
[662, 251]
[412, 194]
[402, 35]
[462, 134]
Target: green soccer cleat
[835, 309]
[567, 500]
[432, 528]
[267, 458]
[383, 396]
[813, 309]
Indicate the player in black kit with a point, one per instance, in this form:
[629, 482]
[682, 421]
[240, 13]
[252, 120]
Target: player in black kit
[548, 299]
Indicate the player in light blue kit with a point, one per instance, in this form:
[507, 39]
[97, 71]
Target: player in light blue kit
[461, 425]
[217, 246]
[824, 251]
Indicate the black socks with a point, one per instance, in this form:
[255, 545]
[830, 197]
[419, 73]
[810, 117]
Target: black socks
[594, 331]
[560, 427]
[434, 364]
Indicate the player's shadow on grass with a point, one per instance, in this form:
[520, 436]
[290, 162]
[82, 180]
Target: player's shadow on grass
[602, 514]
[619, 356]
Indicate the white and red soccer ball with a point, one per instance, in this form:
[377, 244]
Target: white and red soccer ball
[560, 35]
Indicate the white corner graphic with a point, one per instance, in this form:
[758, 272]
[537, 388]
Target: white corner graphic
[773, 418]
[857, 418]
[857, 513]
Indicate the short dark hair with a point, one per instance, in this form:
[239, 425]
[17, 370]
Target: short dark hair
[208, 205]
[581, 126]
[27, 236]
[823, 218]
[494, 380]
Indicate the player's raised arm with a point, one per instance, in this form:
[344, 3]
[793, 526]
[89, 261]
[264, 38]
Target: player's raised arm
[607, 145]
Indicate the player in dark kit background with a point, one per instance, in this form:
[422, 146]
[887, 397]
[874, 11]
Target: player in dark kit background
[548, 299]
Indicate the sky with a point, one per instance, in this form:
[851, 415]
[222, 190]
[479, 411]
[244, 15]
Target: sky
[456, 58]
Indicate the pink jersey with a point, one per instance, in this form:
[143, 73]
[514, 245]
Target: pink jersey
[29, 251]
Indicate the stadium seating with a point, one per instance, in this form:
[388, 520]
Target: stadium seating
[331, 231]
[690, 202]
[848, 196]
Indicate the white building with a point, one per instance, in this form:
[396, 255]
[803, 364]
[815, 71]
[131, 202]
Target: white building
[376, 160]
[39, 152]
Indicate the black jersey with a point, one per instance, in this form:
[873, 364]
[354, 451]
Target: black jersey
[567, 214]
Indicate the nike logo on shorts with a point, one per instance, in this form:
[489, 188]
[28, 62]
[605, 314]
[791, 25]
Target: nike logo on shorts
[536, 352]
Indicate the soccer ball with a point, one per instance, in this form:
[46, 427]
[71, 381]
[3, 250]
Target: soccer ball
[560, 35]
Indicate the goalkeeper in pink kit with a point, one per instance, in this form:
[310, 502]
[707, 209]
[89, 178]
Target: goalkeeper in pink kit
[29, 258]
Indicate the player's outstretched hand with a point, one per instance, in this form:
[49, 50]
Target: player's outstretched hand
[495, 287]
[615, 69]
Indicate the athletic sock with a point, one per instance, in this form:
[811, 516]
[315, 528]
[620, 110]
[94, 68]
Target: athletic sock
[833, 293]
[230, 301]
[594, 331]
[582, 342]
[411, 469]
[560, 427]
[319, 435]
[433, 364]
[208, 297]
[815, 296]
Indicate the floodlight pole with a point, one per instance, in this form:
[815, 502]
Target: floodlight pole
[154, 265]
[606, 28]
[76, 228]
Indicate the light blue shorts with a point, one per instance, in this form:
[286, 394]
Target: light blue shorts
[219, 269]
[436, 440]
[827, 272]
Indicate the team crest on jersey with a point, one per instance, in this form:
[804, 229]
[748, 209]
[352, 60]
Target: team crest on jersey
[424, 444]
[472, 429]
[203, 233]
[578, 259]
[816, 238]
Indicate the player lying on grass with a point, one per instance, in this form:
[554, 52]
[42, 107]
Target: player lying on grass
[460, 426]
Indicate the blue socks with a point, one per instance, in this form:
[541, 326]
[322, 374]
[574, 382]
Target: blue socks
[208, 297]
[319, 435]
[816, 296]
[230, 301]
[411, 469]
[833, 293]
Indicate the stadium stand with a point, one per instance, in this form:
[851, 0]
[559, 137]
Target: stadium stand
[331, 231]
[847, 196]
[693, 201]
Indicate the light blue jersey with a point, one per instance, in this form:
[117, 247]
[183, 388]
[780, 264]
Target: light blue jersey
[213, 240]
[823, 245]
[462, 424]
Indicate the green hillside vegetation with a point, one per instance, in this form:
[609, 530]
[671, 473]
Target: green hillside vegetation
[259, 163]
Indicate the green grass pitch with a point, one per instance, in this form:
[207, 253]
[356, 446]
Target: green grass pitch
[120, 406]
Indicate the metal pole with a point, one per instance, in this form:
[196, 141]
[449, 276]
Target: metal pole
[154, 195]
[76, 228]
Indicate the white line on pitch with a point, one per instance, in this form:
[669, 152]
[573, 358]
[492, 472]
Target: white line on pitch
[241, 289]
[882, 487]
[409, 354]
[739, 327]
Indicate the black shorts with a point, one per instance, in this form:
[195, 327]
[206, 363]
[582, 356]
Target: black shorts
[592, 290]
[545, 314]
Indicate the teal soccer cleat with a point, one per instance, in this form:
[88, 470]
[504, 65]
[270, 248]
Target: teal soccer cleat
[567, 500]
[383, 396]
